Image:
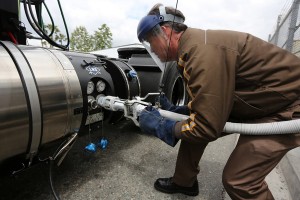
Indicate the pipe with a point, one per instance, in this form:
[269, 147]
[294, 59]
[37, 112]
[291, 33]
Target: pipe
[172, 115]
[273, 128]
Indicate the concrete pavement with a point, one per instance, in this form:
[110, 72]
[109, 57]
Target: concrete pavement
[127, 169]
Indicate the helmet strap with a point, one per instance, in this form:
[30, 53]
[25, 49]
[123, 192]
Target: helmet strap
[169, 17]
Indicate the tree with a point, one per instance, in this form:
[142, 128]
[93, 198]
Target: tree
[102, 38]
[82, 41]
[61, 38]
[57, 36]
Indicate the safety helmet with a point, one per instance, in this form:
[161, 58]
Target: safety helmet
[148, 22]
[150, 26]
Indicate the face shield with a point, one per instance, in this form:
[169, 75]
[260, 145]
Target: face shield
[153, 38]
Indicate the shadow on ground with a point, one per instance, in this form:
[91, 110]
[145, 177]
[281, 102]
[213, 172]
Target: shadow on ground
[127, 169]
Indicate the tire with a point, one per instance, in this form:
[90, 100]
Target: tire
[174, 85]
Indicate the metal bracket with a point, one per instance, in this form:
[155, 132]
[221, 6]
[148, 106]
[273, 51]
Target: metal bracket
[63, 151]
[145, 97]
[131, 109]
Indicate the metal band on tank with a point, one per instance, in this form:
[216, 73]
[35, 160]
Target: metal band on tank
[124, 76]
[32, 96]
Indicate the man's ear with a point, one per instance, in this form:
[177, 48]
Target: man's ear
[163, 28]
[166, 32]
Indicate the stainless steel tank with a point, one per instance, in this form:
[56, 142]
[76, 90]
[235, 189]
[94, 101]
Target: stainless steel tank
[40, 92]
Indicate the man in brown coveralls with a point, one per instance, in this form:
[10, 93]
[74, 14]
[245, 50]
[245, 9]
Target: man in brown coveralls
[230, 76]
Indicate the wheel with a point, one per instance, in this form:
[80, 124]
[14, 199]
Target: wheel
[174, 86]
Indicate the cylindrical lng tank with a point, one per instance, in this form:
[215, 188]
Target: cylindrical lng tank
[40, 93]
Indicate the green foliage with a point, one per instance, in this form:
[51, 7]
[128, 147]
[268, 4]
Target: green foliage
[57, 36]
[102, 38]
[82, 41]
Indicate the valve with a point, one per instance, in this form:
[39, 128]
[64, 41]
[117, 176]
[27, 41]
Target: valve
[103, 143]
[92, 148]
[131, 74]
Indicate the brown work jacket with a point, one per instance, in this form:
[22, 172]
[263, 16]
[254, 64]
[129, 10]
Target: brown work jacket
[233, 76]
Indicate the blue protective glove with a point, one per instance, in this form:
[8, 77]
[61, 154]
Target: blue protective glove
[164, 102]
[167, 105]
[153, 123]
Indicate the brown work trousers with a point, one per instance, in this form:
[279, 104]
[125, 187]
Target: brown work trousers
[251, 161]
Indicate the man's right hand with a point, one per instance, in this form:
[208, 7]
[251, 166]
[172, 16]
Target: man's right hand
[167, 105]
[164, 102]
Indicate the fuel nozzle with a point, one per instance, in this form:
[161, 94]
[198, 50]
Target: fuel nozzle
[92, 103]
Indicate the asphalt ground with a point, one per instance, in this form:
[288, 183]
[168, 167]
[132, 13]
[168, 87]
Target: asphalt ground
[127, 169]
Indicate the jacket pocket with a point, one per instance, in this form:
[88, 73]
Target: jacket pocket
[243, 110]
[259, 103]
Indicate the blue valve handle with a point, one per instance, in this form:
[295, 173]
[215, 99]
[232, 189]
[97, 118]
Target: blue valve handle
[103, 143]
[132, 74]
[91, 148]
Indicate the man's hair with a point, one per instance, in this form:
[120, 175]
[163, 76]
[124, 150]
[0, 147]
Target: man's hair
[177, 27]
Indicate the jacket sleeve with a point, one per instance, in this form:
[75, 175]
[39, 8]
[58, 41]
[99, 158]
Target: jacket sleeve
[210, 75]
